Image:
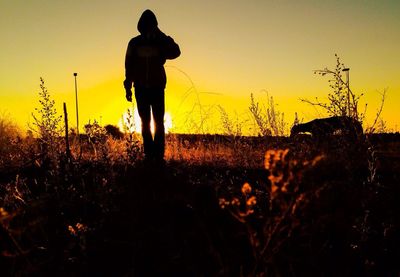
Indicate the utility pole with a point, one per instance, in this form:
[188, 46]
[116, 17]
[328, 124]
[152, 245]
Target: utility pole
[76, 103]
[347, 70]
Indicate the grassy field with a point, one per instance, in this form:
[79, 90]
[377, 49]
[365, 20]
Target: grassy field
[220, 206]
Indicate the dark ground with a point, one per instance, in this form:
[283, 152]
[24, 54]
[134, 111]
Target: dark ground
[156, 220]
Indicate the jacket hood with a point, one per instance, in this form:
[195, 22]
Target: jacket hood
[147, 22]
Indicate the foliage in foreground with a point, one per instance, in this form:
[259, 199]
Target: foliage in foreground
[294, 211]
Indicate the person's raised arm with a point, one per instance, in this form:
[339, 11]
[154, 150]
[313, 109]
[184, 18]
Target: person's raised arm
[171, 48]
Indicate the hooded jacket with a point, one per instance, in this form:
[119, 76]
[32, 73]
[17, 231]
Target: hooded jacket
[147, 53]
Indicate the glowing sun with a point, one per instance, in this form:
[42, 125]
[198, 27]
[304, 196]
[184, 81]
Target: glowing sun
[130, 121]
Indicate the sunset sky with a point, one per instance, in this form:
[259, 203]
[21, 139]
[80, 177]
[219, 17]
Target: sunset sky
[230, 49]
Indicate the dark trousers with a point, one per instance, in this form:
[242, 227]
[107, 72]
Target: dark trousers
[151, 101]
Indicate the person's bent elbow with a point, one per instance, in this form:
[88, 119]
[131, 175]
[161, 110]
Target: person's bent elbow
[173, 53]
[177, 52]
[172, 50]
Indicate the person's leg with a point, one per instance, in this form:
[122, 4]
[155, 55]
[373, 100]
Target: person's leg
[158, 110]
[143, 105]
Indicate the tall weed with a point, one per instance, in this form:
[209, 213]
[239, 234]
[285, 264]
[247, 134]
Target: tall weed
[268, 119]
[342, 101]
[47, 125]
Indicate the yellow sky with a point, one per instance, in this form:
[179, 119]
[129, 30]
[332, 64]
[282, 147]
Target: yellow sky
[229, 50]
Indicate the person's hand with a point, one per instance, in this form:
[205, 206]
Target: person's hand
[128, 95]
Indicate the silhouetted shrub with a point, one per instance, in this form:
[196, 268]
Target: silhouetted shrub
[114, 131]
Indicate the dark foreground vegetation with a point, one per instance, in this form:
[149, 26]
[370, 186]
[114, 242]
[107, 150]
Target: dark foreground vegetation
[220, 206]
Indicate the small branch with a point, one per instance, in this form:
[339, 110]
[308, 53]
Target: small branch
[379, 111]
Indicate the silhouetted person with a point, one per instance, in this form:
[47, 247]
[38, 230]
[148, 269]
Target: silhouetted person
[144, 67]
